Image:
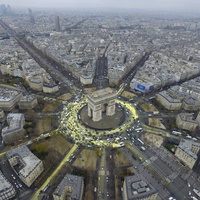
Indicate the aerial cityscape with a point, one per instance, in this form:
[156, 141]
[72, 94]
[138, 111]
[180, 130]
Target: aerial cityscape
[100, 100]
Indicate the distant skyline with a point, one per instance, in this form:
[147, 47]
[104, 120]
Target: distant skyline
[182, 5]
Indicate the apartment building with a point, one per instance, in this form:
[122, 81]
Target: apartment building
[187, 151]
[30, 166]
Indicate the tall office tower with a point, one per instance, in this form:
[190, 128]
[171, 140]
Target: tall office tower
[101, 72]
[57, 22]
[30, 13]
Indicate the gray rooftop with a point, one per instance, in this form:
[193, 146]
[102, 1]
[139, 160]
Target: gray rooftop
[29, 160]
[15, 122]
[168, 97]
[138, 188]
[27, 98]
[187, 145]
[8, 94]
[73, 184]
[4, 184]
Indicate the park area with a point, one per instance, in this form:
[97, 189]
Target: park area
[51, 152]
[156, 122]
[154, 139]
[86, 160]
[65, 97]
[120, 160]
[148, 107]
[128, 95]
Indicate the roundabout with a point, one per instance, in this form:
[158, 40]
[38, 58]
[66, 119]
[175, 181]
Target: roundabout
[76, 125]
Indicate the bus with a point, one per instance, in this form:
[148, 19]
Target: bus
[46, 188]
[138, 129]
[140, 141]
[195, 139]
[196, 192]
[176, 133]
[142, 148]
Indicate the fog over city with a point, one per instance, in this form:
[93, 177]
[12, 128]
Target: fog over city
[173, 5]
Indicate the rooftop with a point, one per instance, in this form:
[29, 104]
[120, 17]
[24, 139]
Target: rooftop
[4, 184]
[73, 184]
[14, 121]
[138, 188]
[187, 145]
[29, 160]
[7, 94]
[168, 97]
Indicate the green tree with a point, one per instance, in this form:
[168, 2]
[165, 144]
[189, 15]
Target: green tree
[40, 150]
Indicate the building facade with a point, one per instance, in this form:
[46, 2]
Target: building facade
[9, 98]
[28, 102]
[185, 121]
[14, 131]
[187, 151]
[168, 101]
[86, 79]
[2, 115]
[50, 87]
[141, 85]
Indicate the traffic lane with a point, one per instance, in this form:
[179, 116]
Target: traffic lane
[175, 192]
[148, 153]
[182, 187]
[103, 177]
[47, 65]
[163, 193]
[110, 183]
[139, 168]
[165, 169]
[163, 174]
[106, 179]
[12, 177]
[110, 186]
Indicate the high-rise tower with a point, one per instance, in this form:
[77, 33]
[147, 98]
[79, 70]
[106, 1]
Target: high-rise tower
[32, 19]
[57, 23]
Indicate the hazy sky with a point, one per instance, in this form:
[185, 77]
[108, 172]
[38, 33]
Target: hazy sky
[141, 4]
